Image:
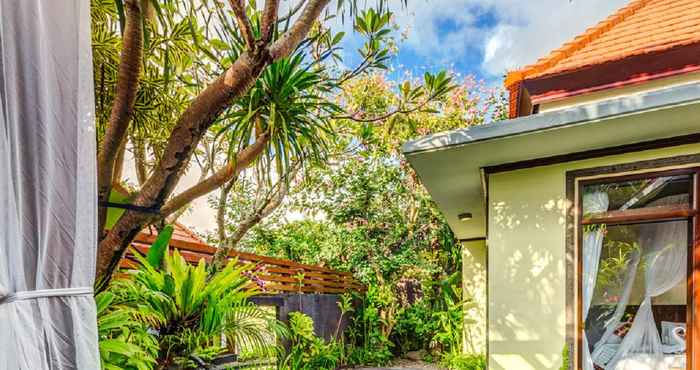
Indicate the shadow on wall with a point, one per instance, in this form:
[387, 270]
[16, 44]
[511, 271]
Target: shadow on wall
[474, 283]
[527, 280]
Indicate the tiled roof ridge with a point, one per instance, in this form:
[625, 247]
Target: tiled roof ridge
[190, 233]
[578, 43]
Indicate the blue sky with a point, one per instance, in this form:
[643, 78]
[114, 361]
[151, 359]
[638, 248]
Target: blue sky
[486, 37]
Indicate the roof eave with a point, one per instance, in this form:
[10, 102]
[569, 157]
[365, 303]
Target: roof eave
[675, 95]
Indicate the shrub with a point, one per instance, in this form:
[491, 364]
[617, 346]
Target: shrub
[459, 361]
[181, 311]
[370, 326]
[124, 341]
[565, 358]
[309, 352]
[414, 329]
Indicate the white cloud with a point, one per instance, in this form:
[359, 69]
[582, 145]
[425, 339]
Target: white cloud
[515, 33]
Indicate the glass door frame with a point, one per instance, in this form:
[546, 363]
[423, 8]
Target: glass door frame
[688, 212]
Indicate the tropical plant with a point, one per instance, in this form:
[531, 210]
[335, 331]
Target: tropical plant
[124, 340]
[459, 361]
[369, 328]
[195, 315]
[565, 358]
[307, 351]
[170, 76]
[415, 328]
[366, 212]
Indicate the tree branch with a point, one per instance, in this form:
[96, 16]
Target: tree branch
[123, 105]
[244, 25]
[292, 12]
[289, 41]
[268, 205]
[243, 159]
[221, 210]
[189, 129]
[119, 162]
[386, 115]
[269, 20]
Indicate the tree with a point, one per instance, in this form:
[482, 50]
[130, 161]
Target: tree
[174, 78]
[365, 208]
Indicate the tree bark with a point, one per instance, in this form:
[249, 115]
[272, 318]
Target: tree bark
[123, 105]
[244, 26]
[188, 131]
[269, 20]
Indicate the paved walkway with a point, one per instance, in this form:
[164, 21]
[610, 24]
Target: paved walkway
[405, 365]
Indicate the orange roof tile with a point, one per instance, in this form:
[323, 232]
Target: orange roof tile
[180, 233]
[641, 27]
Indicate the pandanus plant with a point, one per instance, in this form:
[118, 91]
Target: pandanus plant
[194, 314]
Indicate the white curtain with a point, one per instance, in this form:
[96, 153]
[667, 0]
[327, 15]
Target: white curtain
[592, 245]
[666, 267]
[47, 187]
[614, 322]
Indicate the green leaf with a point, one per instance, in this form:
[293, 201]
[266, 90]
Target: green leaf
[159, 247]
[113, 214]
[120, 12]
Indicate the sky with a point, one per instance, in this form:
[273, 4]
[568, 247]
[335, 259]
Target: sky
[485, 38]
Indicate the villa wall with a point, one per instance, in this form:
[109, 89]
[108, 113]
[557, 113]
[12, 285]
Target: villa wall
[526, 260]
[474, 285]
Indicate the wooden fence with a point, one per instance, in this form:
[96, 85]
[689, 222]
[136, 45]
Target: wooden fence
[279, 275]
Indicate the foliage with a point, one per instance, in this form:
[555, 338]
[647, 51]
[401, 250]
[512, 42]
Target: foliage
[190, 310]
[449, 309]
[414, 328]
[369, 328]
[616, 260]
[364, 208]
[309, 352]
[458, 361]
[365, 211]
[565, 361]
[124, 340]
[289, 102]
[226, 86]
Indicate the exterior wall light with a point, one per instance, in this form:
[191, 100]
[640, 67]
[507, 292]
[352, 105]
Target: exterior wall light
[466, 216]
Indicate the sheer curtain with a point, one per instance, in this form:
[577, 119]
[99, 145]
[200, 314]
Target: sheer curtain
[614, 322]
[592, 245]
[666, 267]
[47, 187]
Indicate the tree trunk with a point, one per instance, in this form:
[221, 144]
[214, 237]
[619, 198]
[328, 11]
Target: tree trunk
[123, 104]
[188, 131]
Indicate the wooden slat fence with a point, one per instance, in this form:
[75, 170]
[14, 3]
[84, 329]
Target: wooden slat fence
[279, 275]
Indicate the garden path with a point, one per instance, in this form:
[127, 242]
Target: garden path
[405, 365]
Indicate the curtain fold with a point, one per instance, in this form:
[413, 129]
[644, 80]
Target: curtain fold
[666, 267]
[592, 245]
[614, 322]
[47, 186]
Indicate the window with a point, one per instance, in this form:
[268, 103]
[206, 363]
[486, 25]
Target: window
[634, 237]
